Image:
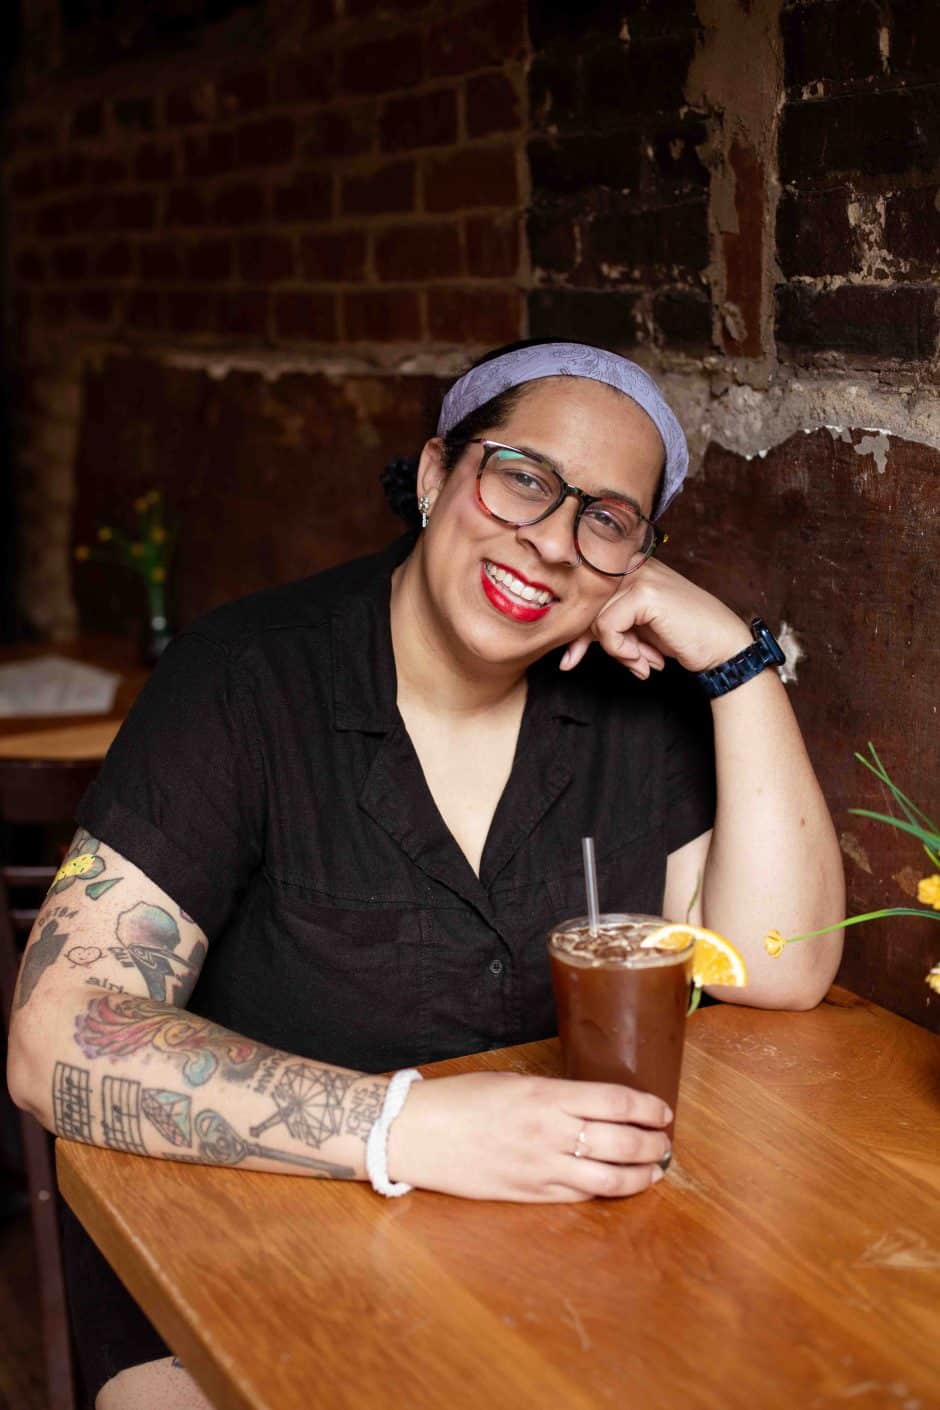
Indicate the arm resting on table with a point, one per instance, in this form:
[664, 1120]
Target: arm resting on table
[102, 1051]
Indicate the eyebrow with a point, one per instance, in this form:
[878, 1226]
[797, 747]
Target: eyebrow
[562, 474]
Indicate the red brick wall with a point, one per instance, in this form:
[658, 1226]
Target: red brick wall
[359, 185]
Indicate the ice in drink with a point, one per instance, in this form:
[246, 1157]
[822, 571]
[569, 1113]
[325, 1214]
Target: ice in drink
[621, 1007]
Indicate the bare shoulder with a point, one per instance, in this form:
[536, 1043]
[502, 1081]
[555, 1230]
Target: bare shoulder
[104, 924]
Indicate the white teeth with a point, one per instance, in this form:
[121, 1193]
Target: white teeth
[524, 591]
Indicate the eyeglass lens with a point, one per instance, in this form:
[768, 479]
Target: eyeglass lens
[519, 490]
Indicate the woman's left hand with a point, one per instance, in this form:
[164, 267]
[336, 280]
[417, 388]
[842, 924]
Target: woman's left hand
[656, 613]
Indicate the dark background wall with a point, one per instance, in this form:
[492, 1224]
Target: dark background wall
[248, 244]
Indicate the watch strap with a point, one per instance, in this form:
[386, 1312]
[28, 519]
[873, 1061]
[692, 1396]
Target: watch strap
[764, 651]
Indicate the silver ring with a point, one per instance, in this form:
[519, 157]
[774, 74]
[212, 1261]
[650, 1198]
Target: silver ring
[580, 1145]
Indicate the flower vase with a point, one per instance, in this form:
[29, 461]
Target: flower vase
[157, 635]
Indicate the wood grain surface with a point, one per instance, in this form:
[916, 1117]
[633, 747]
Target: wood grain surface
[790, 1258]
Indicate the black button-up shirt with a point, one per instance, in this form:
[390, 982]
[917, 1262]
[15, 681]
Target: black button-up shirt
[266, 780]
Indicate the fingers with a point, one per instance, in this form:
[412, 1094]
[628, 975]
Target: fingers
[619, 1145]
[576, 651]
[607, 1101]
[594, 1179]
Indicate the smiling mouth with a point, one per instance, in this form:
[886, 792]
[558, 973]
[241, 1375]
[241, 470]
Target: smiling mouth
[517, 589]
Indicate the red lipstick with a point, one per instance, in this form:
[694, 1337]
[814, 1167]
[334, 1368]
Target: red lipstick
[507, 605]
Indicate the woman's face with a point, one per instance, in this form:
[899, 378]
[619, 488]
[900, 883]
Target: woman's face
[601, 441]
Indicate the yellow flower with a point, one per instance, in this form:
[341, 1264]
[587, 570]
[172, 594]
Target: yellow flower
[82, 553]
[105, 535]
[928, 891]
[774, 944]
[137, 549]
[142, 503]
[157, 575]
[933, 978]
[157, 535]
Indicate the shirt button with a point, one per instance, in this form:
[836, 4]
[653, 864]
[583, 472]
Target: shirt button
[496, 967]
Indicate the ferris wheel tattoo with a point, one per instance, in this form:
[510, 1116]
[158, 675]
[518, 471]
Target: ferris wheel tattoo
[309, 1102]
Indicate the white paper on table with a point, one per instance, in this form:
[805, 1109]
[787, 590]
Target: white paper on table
[53, 685]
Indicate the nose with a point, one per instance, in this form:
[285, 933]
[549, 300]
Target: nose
[553, 538]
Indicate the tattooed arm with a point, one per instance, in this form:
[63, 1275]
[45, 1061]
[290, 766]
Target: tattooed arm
[101, 1049]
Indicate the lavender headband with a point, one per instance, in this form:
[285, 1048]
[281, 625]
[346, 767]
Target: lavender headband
[482, 383]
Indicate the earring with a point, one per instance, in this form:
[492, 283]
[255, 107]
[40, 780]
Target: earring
[424, 506]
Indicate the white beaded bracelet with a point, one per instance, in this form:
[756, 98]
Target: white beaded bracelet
[377, 1144]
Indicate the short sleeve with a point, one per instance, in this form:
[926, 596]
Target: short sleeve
[180, 793]
[690, 759]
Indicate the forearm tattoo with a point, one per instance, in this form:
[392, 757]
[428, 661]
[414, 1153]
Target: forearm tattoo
[365, 1105]
[43, 951]
[121, 1025]
[148, 938]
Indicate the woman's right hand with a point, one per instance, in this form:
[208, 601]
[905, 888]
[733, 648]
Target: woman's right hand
[502, 1135]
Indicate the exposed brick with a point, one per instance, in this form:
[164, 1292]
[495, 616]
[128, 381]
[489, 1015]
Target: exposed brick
[641, 77]
[243, 314]
[307, 197]
[475, 176]
[311, 317]
[31, 135]
[814, 235]
[551, 232]
[873, 133]
[81, 215]
[29, 181]
[836, 41]
[683, 317]
[334, 257]
[187, 106]
[383, 316]
[67, 169]
[559, 22]
[912, 227]
[159, 261]
[144, 311]
[901, 322]
[113, 261]
[492, 245]
[155, 162]
[209, 260]
[239, 203]
[310, 79]
[106, 171]
[426, 120]
[389, 188]
[265, 259]
[243, 92]
[356, 9]
[209, 154]
[382, 65]
[418, 252]
[88, 121]
[269, 142]
[30, 267]
[491, 316]
[134, 210]
[94, 305]
[492, 105]
[606, 319]
[585, 162]
[341, 132]
[54, 309]
[914, 38]
[185, 206]
[70, 263]
[488, 35]
[671, 238]
[678, 166]
[188, 311]
[553, 89]
[134, 113]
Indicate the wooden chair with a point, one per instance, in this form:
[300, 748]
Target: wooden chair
[44, 793]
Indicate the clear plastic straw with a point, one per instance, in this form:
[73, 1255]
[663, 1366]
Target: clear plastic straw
[590, 880]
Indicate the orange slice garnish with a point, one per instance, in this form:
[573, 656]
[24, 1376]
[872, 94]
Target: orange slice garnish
[715, 961]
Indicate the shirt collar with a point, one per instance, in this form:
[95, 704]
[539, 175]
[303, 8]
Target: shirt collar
[365, 681]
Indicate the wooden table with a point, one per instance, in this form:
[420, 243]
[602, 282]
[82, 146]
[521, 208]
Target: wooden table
[72, 737]
[790, 1258]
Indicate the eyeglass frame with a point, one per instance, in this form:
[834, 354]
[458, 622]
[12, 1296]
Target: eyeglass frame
[584, 499]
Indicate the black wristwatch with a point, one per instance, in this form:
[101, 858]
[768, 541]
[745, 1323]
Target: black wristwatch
[765, 651]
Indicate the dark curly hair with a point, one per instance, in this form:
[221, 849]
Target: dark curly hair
[400, 476]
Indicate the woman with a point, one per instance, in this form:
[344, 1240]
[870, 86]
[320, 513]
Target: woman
[343, 815]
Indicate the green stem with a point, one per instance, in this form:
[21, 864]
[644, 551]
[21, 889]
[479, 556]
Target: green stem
[857, 920]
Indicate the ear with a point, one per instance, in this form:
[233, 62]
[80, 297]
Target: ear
[431, 472]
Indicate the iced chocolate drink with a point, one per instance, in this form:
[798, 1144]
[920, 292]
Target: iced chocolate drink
[621, 1006]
